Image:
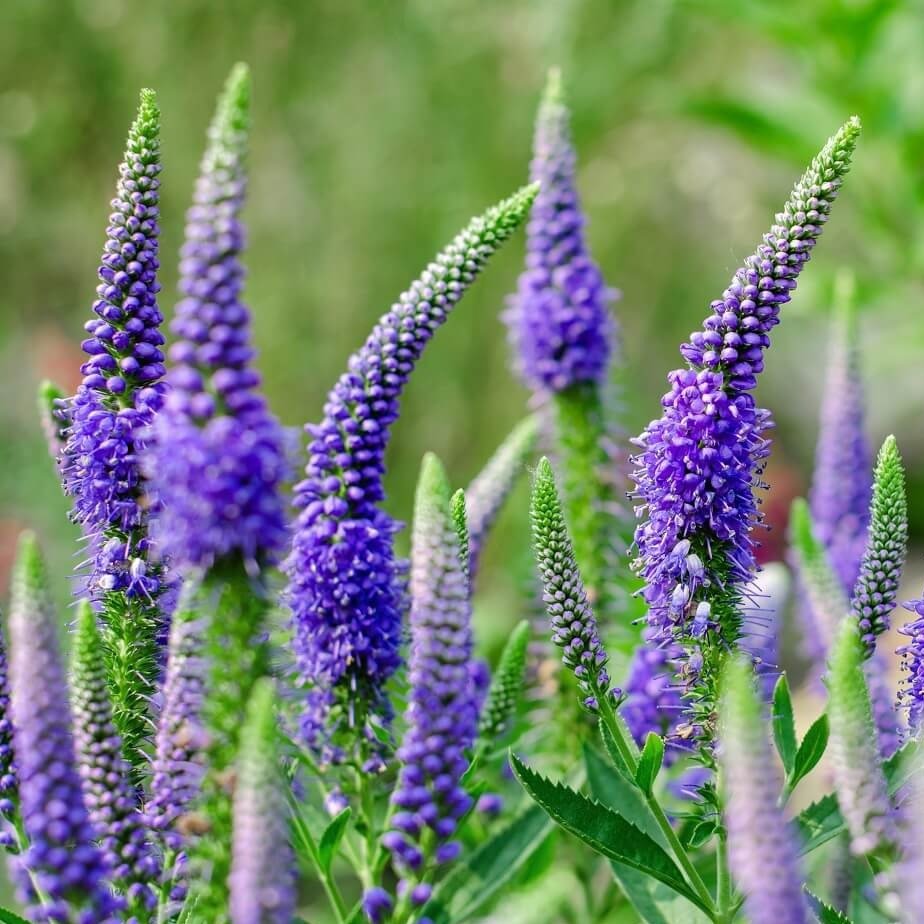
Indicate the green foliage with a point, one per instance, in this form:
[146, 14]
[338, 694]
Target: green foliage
[811, 750]
[784, 724]
[603, 830]
[649, 764]
[827, 914]
[506, 690]
[331, 838]
[460, 519]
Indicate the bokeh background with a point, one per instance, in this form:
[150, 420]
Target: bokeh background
[380, 127]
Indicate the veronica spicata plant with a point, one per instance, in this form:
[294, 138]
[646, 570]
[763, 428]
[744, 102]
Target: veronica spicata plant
[206, 754]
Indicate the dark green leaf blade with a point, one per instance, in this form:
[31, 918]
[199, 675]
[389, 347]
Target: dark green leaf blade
[649, 764]
[811, 750]
[784, 724]
[10, 917]
[330, 839]
[602, 829]
[826, 914]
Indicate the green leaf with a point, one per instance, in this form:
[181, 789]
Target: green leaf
[649, 764]
[810, 751]
[655, 902]
[602, 829]
[701, 833]
[331, 838]
[616, 791]
[784, 724]
[475, 879]
[8, 917]
[826, 914]
[609, 743]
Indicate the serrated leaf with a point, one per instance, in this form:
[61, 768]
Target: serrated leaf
[811, 750]
[10, 917]
[784, 724]
[607, 833]
[649, 763]
[612, 749]
[475, 879]
[826, 914]
[331, 838]
[611, 787]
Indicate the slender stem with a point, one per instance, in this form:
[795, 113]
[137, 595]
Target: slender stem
[724, 911]
[693, 877]
[338, 906]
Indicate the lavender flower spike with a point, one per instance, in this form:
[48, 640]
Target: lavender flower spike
[262, 886]
[442, 712]
[700, 462]
[177, 768]
[840, 494]
[486, 494]
[108, 792]
[762, 849]
[574, 627]
[109, 419]
[559, 322]
[63, 874]
[855, 759]
[346, 590]
[886, 547]
[218, 458]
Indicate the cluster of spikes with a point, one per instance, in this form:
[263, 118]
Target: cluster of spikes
[164, 777]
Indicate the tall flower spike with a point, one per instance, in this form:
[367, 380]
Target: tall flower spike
[108, 792]
[564, 340]
[886, 547]
[855, 760]
[217, 458]
[346, 590]
[63, 872]
[486, 494]
[700, 462]
[840, 494]
[574, 627]
[442, 714]
[180, 740]
[109, 420]
[762, 849]
[506, 690]
[10, 838]
[262, 884]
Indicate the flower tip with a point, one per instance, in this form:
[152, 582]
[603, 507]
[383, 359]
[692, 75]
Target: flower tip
[86, 619]
[147, 101]
[554, 91]
[544, 471]
[237, 86]
[49, 391]
[434, 482]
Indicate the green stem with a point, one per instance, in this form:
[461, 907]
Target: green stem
[608, 715]
[724, 912]
[335, 899]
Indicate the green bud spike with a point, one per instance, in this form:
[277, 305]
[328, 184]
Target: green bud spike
[506, 691]
[457, 509]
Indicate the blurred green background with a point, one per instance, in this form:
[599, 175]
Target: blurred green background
[380, 127]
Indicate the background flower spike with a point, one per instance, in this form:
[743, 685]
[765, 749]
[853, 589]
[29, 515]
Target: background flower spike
[63, 876]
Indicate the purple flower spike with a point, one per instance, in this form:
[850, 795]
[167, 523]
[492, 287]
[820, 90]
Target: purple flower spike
[346, 590]
[9, 786]
[840, 495]
[63, 874]
[442, 712]
[121, 389]
[762, 849]
[700, 462]
[177, 768]
[108, 792]
[218, 455]
[262, 887]
[912, 655]
[559, 323]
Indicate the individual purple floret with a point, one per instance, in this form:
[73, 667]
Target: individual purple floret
[762, 849]
[442, 713]
[121, 389]
[177, 767]
[346, 589]
[108, 792]
[63, 875]
[840, 495]
[700, 462]
[560, 326]
[912, 655]
[218, 456]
